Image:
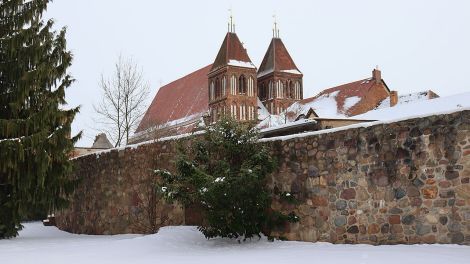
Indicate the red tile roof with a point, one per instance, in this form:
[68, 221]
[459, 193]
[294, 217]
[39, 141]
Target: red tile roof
[363, 96]
[277, 58]
[231, 49]
[358, 88]
[179, 99]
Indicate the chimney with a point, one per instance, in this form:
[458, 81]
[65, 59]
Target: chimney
[393, 98]
[377, 75]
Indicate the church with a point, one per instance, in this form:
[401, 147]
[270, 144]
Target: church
[269, 96]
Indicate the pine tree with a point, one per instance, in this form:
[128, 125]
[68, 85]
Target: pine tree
[224, 173]
[34, 125]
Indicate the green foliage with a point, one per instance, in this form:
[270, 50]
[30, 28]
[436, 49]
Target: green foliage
[224, 172]
[34, 125]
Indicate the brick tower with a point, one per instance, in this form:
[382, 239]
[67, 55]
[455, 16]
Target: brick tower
[279, 80]
[232, 82]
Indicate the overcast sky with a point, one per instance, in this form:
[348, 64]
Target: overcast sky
[418, 45]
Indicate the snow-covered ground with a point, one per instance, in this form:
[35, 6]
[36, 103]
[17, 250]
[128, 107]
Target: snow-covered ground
[183, 244]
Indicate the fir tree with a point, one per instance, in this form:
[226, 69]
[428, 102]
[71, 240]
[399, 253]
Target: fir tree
[34, 126]
[225, 174]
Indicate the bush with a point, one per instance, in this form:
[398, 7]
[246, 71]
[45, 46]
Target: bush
[224, 172]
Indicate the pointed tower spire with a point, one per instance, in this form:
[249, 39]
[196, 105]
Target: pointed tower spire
[279, 79]
[232, 81]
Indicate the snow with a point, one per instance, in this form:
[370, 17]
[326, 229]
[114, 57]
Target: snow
[390, 119]
[136, 145]
[268, 120]
[268, 71]
[184, 244]
[272, 121]
[290, 124]
[350, 102]
[419, 107]
[294, 71]
[325, 106]
[265, 72]
[180, 121]
[245, 64]
[262, 111]
[405, 99]
[11, 139]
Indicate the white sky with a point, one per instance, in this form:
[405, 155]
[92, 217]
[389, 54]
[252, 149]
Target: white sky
[418, 45]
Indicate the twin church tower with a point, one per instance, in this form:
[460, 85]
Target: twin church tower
[236, 85]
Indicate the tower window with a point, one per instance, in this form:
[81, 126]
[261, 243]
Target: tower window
[233, 85]
[279, 89]
[251, 88]
[224, 84]
[290, 90]
[271, 90]
[217, 88]
[211, 91]
[242, 84]
[297, 91]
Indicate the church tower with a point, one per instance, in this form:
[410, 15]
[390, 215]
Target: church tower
[232, 82]
[279, 79]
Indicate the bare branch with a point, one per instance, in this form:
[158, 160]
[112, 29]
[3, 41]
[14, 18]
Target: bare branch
[123, 100]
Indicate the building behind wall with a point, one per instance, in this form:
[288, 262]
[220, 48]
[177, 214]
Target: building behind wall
[279, 79]
[269, 96]
[232, 82]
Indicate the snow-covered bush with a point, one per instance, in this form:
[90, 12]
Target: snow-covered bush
[224, 173]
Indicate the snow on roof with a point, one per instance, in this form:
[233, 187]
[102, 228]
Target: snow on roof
[277, 59]
[406, 99]
[294, 71]
[272, 121]
[324, 105]
[262, 111]
[419, 107]
[290, 124]
[232, 53]
[350, 102]
[244, 64]
[180, 99]
[449, 110]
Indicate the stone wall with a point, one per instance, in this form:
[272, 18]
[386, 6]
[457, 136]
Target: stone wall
[113, 193]
[404, 182]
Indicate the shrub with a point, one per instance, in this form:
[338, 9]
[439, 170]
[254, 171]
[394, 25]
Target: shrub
[224, 172]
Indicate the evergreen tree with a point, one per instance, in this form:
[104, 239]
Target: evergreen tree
[224, 173]
[34, 126]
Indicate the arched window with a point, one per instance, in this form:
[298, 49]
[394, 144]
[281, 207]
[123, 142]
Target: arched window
[224, 84]
[242, 84]
[271, 90]
[211, 91]
[233, 85]
[279, 89]
[217, 88]
[290, 90]
[251, 86]
[262, 92]
[297, 90]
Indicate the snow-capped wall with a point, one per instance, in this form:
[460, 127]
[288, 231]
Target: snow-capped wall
[402, 182]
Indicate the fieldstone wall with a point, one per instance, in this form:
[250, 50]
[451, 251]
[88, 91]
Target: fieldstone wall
[113, 195]
[404, 182]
